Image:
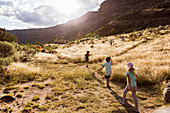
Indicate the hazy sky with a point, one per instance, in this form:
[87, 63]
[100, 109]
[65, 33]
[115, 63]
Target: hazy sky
[24, 14]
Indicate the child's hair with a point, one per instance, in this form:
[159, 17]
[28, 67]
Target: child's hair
[88, 51]
[108, 59]
[131, 69]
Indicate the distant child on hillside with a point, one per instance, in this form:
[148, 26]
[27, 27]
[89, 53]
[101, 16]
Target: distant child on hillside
[131, 85]
[108, 69]
[111, 42]
[87, 57]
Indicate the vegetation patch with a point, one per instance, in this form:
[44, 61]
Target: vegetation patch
[49, 97]
[19, 95]
[44, 107]
[12, 88]
[38, 85]
[36, 98]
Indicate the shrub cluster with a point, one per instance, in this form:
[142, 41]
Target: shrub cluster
[6, 49]
[4, 36]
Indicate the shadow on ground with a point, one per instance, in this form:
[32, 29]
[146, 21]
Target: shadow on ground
[127, 106]
[98, 80]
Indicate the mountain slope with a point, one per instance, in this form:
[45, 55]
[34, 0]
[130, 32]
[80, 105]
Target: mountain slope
[112, 17]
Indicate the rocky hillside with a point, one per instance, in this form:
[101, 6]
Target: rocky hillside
[113, 16]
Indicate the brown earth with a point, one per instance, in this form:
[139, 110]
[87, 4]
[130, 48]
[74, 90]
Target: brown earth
[148, 99]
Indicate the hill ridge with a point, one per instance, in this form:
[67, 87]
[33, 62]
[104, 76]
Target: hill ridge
[113, 17]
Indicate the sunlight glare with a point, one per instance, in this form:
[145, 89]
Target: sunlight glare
[67, 7]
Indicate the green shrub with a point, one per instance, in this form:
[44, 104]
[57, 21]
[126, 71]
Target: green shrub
[36, 98]
[6, 52]
[6, 49]
[4, 36]
[5, 61]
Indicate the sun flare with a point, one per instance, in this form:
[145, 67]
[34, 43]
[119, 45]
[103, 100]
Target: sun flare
[67, 7]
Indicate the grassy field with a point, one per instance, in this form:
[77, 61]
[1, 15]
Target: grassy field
[61, 83]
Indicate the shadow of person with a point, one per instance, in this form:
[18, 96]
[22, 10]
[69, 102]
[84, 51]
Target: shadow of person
[129, 108]
[98, 80]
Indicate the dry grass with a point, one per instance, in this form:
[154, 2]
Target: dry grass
[45, 57]
[72, 87]
[149, 52]
[152, 60]
[21, 72]
[75, 54]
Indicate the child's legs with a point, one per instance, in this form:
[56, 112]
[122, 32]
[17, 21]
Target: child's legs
[107, 79]
[134, 97]
[87, 61]
[125, 92]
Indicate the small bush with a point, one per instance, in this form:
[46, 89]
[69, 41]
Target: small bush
[35, 106]
[26, 87]
[5, 61]
[49, 97]
[6, 49]
[38, 85]
[29, 104]
[36, 98]
[27, 109]
[44, 107]
[12, 88]
[19, 95]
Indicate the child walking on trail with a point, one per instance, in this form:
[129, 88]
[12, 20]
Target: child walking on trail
[108, 69]
[131, 85]
[87, 57]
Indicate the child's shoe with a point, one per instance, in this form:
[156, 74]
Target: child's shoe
[93, 74]
[136, 110]
[121, 101]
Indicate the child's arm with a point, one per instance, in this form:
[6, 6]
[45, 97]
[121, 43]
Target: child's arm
[136, 76]
[100, 68]
[111, 60]
[89, 54]
[129, 82]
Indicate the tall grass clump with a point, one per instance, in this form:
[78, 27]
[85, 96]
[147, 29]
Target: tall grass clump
[74, 78]
[151, 59]
[20, 73]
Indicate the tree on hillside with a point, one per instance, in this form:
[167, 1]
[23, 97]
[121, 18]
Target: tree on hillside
[5, 36]
[39, 43]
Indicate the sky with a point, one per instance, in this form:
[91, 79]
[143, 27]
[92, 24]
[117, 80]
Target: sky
[25, 14]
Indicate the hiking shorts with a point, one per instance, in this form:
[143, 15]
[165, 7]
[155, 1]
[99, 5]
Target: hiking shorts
[87, 60]
[107, 76]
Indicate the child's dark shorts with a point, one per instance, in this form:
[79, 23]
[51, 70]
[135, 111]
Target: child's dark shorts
[87, 60]
[107, 76]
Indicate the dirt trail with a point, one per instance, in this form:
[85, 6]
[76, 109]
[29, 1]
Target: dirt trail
[117, 91]
[108, 97]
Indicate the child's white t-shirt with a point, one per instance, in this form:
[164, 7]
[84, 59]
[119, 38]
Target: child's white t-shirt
[108, 69]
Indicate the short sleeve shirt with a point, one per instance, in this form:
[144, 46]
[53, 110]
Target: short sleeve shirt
[132, 79]
[108, 69]
[87, 56]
